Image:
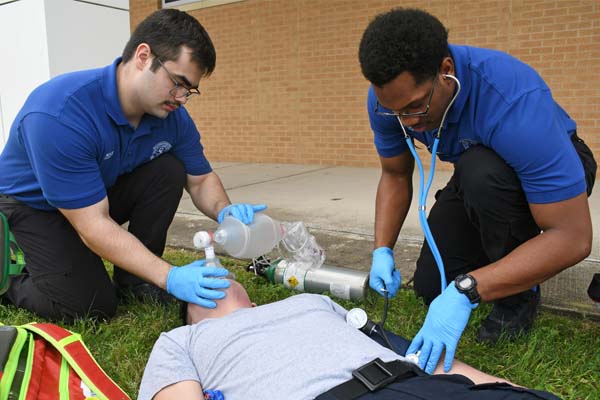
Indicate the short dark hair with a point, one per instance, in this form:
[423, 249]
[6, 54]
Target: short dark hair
[402, 40]
[166, 31]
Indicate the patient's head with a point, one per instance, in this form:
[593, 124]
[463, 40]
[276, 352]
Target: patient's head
[236, 298]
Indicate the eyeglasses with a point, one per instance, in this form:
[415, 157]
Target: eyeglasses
[178, 89]
[379, 110]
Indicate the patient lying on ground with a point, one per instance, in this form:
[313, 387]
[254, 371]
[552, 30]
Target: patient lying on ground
[297, 348]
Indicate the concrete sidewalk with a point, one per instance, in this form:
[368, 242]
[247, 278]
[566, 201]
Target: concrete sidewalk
[337, 204]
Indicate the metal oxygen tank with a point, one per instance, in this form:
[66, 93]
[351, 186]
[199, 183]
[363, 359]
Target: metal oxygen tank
[343, 283]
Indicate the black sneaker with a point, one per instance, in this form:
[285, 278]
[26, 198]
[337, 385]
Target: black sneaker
[510, 317]
[147, 292]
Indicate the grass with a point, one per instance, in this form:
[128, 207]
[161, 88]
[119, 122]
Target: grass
[561, 354]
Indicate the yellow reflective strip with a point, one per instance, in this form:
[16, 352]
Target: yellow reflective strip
[28, 367]
[11, 364]
[66, 356]
[69, 339]
[63, 387]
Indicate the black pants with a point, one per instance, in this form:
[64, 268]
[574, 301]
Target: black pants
[480, 216]
[453, 387]
[450, 387]
[63, 278]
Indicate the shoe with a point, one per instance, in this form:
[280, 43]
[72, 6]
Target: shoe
[510, 317]
[147, 292]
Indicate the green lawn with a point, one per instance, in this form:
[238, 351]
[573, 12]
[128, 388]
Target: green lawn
[561, 355]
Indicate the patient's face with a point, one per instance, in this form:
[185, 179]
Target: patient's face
[236, 298]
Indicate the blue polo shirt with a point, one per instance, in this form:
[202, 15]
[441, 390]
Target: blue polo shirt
[71, 141]
[506, 106]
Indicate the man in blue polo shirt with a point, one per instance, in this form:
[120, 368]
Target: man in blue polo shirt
[519, 169]
[91, 150]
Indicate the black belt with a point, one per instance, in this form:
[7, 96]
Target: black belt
[371, 377]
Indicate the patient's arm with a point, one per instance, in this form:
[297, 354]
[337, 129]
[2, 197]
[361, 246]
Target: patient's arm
[184, 390]
[477, 376]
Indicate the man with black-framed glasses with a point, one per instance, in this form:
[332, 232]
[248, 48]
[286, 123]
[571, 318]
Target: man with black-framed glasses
[92, 150]
[519, 169]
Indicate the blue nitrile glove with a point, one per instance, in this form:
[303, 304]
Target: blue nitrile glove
[444, 324]
[191, 283]
[243, 212]
[383, 274]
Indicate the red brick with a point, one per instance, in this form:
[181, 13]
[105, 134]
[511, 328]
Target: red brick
[288, 87]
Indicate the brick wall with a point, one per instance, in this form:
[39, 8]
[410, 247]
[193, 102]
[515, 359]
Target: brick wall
[288, 87]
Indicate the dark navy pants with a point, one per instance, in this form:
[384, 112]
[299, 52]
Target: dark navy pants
[63, 278]
[447, 387]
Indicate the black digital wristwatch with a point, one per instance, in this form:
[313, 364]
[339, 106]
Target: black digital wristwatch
[467, 285]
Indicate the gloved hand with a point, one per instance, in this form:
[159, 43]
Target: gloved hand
[444, 324]
[383, 274]
[191, 283]
[243, 212]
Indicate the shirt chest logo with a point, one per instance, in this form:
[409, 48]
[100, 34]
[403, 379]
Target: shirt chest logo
[160, 148]
[109, 155]
[467, 143]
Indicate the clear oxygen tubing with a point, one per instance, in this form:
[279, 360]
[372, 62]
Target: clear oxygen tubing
[424, 190]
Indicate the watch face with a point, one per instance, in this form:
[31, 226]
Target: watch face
[357, 317]
[465, 283]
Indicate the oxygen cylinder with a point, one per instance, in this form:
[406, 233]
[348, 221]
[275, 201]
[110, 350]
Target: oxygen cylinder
[343, 283]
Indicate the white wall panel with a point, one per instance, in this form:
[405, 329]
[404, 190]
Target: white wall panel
[40, 39]
[24, 52]
[84, 35]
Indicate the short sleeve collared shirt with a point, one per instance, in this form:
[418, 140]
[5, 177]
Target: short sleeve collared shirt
[506, 106]
[71, 141]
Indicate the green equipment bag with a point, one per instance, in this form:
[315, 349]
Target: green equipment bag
[12, 259]
[45, 361]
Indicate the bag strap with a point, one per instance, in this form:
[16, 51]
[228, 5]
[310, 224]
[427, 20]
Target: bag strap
[12, 259]
[16, 366]
[74, 351]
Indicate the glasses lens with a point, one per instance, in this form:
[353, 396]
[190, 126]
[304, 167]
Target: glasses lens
[178, 91]
[425, 111]
[416, 113]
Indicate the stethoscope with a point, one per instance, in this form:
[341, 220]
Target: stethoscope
[357, 317]
[424, 190]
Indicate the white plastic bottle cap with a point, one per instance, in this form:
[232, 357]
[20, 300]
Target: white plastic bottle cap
[202, 239]
[413, 357]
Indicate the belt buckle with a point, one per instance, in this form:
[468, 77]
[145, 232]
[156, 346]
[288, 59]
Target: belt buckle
[374, 375]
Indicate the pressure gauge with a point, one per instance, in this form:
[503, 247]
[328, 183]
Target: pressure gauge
[357, 317]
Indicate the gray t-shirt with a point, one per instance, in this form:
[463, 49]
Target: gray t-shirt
[296, 348]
